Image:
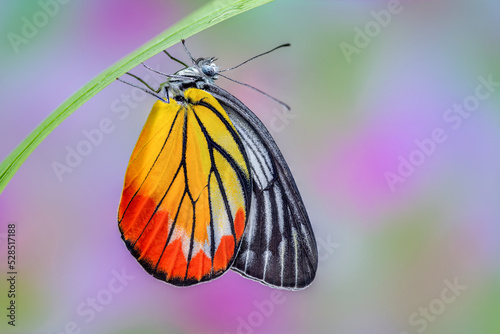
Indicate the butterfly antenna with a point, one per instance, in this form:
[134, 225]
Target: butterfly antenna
[161, 73]
[258, 90]
[187, 51]
[153, 70]
[257, 56]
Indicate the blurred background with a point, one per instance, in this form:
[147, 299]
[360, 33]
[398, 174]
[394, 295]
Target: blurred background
[393, 139]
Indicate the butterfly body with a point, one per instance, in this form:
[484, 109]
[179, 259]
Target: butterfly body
[207, 189]
[204, 71]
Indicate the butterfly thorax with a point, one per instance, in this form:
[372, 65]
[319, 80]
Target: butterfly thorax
[204, 71]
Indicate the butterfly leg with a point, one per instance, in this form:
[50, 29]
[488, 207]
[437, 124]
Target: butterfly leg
[175, 59]
[150, 89]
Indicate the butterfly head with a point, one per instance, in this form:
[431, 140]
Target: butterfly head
[203, 69]
[207, 67]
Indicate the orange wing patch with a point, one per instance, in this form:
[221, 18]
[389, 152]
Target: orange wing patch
[187, 191]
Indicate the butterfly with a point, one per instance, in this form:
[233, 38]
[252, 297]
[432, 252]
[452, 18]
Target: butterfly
[207, 189]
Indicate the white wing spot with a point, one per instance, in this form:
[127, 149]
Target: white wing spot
[281, 249]
[296, 255]
[267, 256]
[249, 258]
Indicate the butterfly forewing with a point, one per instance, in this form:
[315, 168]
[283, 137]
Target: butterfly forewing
[187, 191]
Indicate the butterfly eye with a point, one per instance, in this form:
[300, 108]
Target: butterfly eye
[208, 70]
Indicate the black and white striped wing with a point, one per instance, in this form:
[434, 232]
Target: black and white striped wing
[278, 246]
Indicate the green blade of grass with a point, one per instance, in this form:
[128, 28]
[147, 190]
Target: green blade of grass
[208, 15]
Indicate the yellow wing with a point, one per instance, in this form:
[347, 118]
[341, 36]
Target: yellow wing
[187, 191]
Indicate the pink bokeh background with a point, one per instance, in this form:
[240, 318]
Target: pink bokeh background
[384, 254]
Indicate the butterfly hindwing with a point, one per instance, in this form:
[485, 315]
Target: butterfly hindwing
[278, 247]
[187, 191]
